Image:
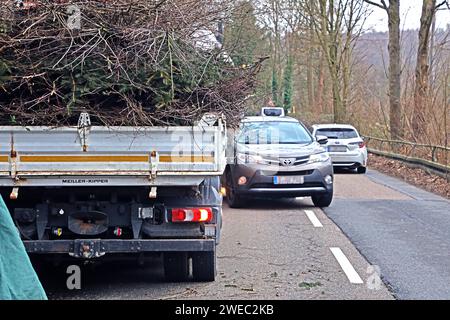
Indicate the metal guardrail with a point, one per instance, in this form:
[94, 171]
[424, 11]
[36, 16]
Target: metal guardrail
[430, 156]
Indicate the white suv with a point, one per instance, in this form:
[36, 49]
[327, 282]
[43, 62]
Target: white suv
[345, 145]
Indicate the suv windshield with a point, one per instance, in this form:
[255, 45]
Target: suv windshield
[337, 133]
[273, 132]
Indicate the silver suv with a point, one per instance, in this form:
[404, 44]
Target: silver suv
[276, 156]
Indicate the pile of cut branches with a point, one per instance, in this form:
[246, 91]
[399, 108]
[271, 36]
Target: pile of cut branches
[125, 62]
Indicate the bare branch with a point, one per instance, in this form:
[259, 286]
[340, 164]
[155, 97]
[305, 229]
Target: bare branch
[381, 5]
[445, 2]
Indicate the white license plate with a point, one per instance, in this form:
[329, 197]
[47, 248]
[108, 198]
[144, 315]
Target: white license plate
[337, 149]
[288, 180]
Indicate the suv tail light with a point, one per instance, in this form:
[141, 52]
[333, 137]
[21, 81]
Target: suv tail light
[192, 215]
[361, 144]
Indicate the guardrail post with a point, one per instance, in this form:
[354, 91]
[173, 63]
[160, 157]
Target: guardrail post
[433, 154]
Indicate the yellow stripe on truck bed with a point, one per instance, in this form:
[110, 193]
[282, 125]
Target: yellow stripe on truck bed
[162, 158]
[189, 158]
[84, 158]
[4, 159]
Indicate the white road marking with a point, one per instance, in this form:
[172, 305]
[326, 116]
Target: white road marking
[314, 220]
[349, 271]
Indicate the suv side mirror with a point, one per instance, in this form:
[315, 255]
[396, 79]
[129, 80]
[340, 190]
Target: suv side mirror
[322, 139]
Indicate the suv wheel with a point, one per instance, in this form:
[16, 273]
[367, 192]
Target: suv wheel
[233, 199]
[361, 170]
[323, 200]
[204, 266]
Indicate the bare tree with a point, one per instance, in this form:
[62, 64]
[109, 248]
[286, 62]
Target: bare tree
[422, 73]
[395, 109]
[337, 25]
[310, 79]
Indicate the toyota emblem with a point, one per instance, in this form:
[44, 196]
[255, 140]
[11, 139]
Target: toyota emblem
[287, 162]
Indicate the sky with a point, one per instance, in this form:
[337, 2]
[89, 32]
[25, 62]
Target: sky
[410, 11]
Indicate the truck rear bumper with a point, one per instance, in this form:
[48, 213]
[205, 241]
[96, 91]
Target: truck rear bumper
[95, 248]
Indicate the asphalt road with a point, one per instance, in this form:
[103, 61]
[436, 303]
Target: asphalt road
[402, 229]
[270, 250]
[274, 250]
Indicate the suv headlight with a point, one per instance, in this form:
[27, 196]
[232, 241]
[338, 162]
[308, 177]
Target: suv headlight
[319, 157]
[248, 158]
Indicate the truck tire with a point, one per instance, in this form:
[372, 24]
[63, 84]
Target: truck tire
[204, 266]
[176, 266]
[323, 200]
[38, 262]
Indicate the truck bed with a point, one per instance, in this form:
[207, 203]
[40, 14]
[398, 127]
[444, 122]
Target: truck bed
[113, 156]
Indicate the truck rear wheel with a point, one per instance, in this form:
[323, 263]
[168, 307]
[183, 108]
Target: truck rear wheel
[176, 266]
[204, 266]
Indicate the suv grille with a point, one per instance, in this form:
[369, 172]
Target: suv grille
[287, 173]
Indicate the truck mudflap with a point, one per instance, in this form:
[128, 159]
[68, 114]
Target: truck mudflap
[95, 248]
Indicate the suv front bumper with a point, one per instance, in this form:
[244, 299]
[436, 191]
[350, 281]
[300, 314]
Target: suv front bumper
[260, 180]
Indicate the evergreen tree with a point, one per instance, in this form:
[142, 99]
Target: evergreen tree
[275, 87]
[243, 35]
[287, 86]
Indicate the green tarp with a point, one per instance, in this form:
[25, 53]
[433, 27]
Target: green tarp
[18, 280]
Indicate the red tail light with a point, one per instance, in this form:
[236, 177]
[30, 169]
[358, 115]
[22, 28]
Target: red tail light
[362, 144]
[192, 215]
